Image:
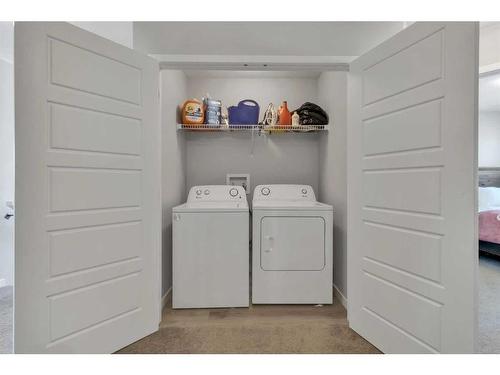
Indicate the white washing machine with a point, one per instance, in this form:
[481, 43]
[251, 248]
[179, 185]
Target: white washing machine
[291, 246]
[210, 257]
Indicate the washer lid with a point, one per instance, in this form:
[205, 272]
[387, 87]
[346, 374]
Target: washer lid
[213, 206]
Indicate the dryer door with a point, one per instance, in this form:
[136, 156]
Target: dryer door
[292, 243]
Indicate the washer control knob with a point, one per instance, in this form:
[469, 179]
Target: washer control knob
[233, 192]
[198, 192]
[304, 191]
[265, 191]
[207, 192]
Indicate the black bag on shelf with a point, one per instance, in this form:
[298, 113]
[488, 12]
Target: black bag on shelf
[312, 114]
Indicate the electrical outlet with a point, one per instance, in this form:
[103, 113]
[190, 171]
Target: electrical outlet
[239, 179]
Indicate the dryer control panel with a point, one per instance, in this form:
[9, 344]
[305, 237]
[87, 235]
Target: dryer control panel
[216, 193]
[284, 193]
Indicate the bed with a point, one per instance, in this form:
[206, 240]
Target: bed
[489, 210]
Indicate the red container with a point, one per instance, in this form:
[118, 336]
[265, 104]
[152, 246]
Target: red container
[284, 115]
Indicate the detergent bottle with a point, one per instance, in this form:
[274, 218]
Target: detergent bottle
[193, 112]
[285, 119]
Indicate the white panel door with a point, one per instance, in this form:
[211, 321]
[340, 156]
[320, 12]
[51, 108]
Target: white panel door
[88, 219]
[412, 145]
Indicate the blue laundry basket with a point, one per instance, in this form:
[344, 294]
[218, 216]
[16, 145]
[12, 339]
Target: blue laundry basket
[246, 112]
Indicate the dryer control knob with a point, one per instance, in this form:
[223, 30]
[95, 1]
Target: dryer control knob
[198, 192]
[304, 191]
[233, 192]
[265, 191]
[207, 192]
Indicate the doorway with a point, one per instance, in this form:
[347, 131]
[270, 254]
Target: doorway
[489, 210]
[94, 196]
[6, 185]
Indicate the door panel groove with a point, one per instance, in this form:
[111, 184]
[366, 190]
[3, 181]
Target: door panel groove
[66, 150]
[93, 326]
[89, 108]
[414, 151]
[133, 209]
[55, 166]
[404, 289]
[412, 337]
[408, 90]
[80, 228]
[368, 120]
[90, 210]
[94, 94]
[420, 278]
[63, 276]
[91, 169]
[426, 168]
[93, 285]
[403, 211]
[403, 229]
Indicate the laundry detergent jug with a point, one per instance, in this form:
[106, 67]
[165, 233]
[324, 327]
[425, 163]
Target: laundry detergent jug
[193, 112]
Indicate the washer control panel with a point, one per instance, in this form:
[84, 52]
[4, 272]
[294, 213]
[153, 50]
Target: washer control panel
[284, 193]
[216, 193]
[233, 192]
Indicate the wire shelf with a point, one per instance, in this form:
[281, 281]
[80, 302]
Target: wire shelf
[253, 127]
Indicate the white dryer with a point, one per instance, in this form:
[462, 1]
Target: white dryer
[210, 257]
[291, 246]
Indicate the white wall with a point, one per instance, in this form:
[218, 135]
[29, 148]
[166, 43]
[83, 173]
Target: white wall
[173, 92]
[119, 32]
[7, 41]
[489, 139]
[333, 168]
[489, 45]
[6, 152]
[271, 159]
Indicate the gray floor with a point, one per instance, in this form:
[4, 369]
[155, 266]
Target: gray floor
[489, 312]
[6, 320]
[489, 304]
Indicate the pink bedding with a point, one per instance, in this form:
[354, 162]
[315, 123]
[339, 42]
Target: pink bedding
[489, 226]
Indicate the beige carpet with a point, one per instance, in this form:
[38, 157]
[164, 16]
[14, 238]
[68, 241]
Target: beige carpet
[489, 304]
[6, 320]
[259, 329]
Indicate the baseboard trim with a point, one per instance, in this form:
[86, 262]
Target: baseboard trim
[166, 298]
[338, 294]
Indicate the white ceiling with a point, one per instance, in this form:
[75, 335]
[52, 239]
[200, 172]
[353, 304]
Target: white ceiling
[489, 92]
[262, 38]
